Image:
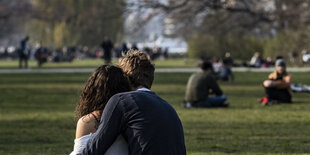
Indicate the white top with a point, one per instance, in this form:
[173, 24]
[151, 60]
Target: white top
[143, 89]
[119, 147]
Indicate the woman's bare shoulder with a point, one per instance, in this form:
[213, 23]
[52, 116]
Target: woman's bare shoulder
[86, 125]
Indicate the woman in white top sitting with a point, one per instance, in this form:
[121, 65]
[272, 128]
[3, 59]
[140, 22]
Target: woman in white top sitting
[104, 82]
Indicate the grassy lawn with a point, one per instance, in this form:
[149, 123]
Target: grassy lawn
[93, 63]
[37, 116]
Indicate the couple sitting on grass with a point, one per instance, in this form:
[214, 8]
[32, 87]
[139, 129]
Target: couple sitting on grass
[119, 115]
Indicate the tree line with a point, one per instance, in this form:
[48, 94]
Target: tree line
[63, 22]
[242, 27]
[211, 27]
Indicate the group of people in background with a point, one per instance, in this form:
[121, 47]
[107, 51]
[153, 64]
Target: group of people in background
[106, 50]
[222, 68]
[109, 50]
[257, 61]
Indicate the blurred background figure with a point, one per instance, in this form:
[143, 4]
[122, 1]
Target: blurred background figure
[134, 46]
[124, 49]
[23, 53]
[216, 64]
[228, 60]
[268, 62]
[299, 87]
[107, 47]
[293, 57]
[305, 56]
[225, 73]
[39, 54]
[256, 60]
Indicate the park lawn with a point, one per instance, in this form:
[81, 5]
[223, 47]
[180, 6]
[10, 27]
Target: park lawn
[93, 63]
[37, 115]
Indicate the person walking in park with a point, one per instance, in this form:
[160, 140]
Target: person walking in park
[199, 88]
[278, 85]
[149, 124]
[104, 82]
[107, 47]
[23, 53]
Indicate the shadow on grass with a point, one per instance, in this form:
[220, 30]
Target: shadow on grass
[207, 137]
[254, 137]
[38, 136]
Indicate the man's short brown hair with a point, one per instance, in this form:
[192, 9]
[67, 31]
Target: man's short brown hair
[138, 68]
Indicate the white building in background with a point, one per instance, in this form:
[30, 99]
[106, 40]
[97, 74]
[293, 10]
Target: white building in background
[149, 27]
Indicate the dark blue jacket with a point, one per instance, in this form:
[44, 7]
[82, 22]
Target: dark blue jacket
[148, 123]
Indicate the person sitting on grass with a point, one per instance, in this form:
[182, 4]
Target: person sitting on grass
[105, 81]
[200, 85]
[225, 73]
[277, 87]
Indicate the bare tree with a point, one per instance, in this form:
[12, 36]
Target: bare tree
[225, 15]
[13, 15]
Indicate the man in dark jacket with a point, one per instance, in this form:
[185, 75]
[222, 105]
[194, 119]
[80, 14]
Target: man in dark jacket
[200, 85]
[148, 123]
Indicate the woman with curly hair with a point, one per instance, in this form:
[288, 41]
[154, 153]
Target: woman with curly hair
[104, 82]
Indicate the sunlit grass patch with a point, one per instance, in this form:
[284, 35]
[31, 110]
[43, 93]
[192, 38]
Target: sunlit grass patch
[37, 115]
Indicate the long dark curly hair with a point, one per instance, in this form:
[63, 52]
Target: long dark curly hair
[104, 82]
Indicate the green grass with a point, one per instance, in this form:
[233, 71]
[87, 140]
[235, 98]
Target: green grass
[37, 116]
[93, 63]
